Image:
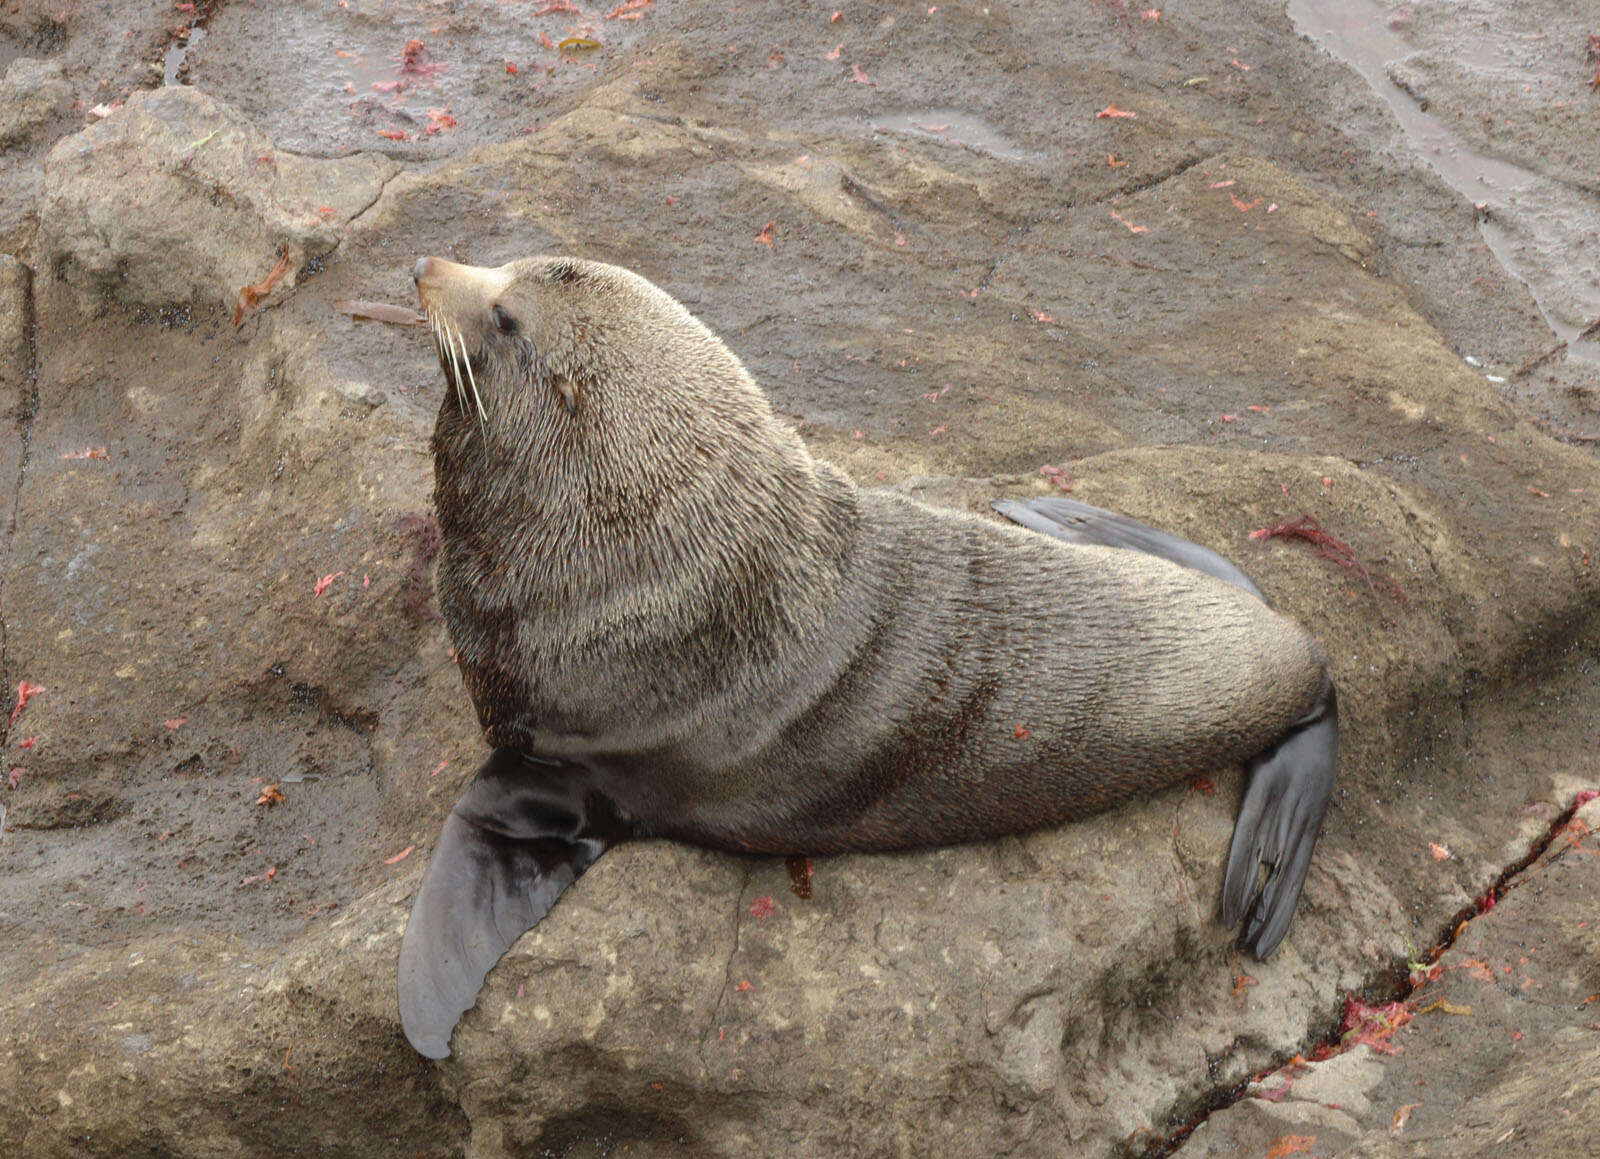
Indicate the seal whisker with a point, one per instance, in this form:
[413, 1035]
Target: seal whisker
[437, 327]
[465, 358]
[455, 366]
[464, 363]
[438, 346]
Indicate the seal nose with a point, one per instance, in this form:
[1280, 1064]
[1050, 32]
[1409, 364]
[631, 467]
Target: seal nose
[420, 270]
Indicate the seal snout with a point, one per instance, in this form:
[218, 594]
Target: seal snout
[429, 276]
[459, 290]
[447, 292]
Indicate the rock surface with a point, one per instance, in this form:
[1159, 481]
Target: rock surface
[1247, 302]
[177, 199]
[32, 94]
[1496, 1051]
[15, 325]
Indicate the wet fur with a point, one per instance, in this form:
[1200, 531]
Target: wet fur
[703, 633]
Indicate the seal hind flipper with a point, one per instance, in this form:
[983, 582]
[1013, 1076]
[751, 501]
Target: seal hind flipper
[524, 830]
[1080, 523]
[1289, 784]
[1279, 820]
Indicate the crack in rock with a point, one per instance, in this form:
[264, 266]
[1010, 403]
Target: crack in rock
[1168, 174]
[727, 967]
[16, 272]
[1389, 985]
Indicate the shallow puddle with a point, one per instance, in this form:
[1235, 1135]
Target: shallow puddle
[172, 63]
[1540, 218]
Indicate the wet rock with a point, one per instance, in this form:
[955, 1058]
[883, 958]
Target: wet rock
[1515, 87]
[1500, 1051]
[33, 95]
[1255, 314]
[16, 398]
[176, 199]
[15, 279]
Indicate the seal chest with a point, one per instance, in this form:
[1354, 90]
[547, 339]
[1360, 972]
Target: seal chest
[674, 622]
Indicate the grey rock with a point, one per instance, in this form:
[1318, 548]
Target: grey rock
[1501, 1053]
[1061, 993]
[15, 283]
[177, 199]
[33, 95]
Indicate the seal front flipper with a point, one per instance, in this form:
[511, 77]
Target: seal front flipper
[1277, 827]
[1080, 523]
[524, 830]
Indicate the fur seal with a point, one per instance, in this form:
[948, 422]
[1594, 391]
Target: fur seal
[674, 622]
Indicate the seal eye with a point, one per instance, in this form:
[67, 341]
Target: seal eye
[503, 322]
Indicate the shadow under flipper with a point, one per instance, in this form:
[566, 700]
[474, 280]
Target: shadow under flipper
[1279, 820]
[1080, 523]
[524, 830]
[1289, 784]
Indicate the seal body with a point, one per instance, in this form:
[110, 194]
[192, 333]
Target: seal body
[674, 622]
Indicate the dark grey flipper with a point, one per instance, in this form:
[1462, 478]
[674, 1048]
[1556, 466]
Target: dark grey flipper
[524, 830]
[1278, 824]
[1289, 784]
[1080, 523]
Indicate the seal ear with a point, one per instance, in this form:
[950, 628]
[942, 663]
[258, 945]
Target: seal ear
[521, 833]
[567, 390]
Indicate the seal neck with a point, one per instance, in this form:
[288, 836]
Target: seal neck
[748, 547]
